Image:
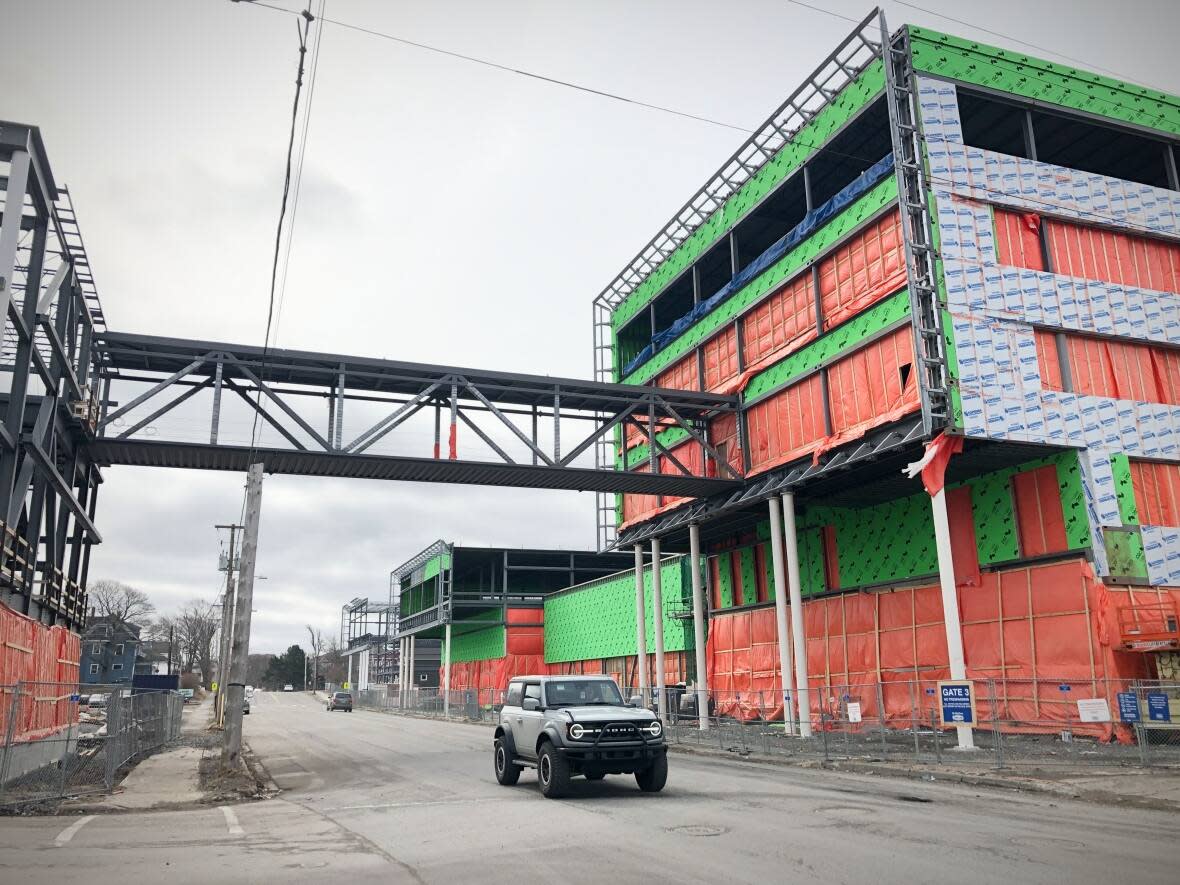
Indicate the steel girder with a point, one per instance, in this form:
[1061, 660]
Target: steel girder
[50, 313]
[163, 374]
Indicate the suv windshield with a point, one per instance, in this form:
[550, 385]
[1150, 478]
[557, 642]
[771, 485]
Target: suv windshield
[343, 696]
[582, 692]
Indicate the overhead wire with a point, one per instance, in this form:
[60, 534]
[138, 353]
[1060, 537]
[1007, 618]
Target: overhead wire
[303, 28]
[297, 189]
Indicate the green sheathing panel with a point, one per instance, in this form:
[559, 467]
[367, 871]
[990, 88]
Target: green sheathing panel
[417, 598]
[668, 438]
[478, 645]
[864, 208]
[746, 568]
[1124, 549]
[811, 561]
[436, 565]
[794, 154]
[893, 542]
[1120, 466]
[597, 620]
[1066, 87]
[725, 580]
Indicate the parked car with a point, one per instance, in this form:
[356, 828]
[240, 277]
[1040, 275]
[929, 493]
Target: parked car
[569, 725]
[340, 700]
[97, 700]
[288, 687]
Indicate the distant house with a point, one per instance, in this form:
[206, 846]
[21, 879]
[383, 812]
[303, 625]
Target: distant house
[153, 658]
[110, 647]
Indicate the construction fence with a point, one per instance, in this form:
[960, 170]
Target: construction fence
[98, 730]
[1020, 723]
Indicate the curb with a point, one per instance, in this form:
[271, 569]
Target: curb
[929, 775]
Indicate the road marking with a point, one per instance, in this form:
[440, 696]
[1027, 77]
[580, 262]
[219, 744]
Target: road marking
[419, 804]
[231, 821]
[72, 830]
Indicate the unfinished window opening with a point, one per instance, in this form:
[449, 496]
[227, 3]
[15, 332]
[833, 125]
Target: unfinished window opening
[1102, 150]
[775, 217]
[992, 125]
[715, 269]
[903, 374]
[632, 338]
[674, 302]
[863, 142]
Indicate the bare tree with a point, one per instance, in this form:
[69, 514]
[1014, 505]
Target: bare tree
[317, 649]
[196, 625]
[121, 600]
[333, 665]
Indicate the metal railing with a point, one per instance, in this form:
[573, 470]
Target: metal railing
[106, 726]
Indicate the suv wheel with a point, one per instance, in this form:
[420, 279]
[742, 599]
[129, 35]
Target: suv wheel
[553, 772]
[653, 778]
[507, 773]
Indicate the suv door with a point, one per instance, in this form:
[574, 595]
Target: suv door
[527, 726]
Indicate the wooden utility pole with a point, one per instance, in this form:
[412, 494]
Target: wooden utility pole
[227, 623]
[231, 752]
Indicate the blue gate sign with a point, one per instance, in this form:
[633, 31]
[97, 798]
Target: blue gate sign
[956, 702]
[1064, 687]
[1129, 707]
[1157, 707]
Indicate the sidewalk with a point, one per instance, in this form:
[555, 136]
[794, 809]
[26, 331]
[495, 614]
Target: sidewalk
[182, 775]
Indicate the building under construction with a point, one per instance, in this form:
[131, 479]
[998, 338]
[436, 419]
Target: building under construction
[936, 253]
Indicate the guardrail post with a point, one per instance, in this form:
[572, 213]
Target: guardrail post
[937, 742]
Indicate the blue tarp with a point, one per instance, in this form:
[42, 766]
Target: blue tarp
[811, 222]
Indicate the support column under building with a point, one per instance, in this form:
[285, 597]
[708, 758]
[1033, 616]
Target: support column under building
[447, 671]
[798, 637]
[641, 629]
[413, 686]
[780, 615]
[350, 686]
[657, 604]
[950, 603]
[698, 625]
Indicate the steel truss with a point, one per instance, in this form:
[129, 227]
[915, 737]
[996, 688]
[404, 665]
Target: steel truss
[50, 314]
[166, 373]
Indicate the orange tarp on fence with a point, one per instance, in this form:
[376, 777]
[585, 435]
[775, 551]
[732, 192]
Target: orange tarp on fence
[46, 660]
[1030, 628]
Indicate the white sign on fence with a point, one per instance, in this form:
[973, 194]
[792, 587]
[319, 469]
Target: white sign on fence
[853, 711]
[1093, 710]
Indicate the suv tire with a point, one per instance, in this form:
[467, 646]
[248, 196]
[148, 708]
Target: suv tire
[553, 772]
[507, 772]
[653, 778]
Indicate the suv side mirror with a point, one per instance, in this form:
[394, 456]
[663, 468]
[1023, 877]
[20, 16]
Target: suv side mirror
[635, 701]
[531, 704]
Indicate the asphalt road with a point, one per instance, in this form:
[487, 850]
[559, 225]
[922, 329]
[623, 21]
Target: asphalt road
[373, 797]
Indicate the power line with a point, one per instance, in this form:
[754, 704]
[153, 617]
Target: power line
[523, 73]
[315, 65]
[1039, 48]
[846, 18]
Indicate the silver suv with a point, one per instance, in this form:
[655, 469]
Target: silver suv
[569, 725]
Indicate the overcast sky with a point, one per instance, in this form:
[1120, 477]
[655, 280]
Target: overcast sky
[450, 213]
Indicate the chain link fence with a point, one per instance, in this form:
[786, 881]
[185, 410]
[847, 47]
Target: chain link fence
[106, 726]
[1020, 723]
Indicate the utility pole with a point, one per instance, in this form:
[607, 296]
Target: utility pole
[227, 622]
[171, 641]
[240, 646]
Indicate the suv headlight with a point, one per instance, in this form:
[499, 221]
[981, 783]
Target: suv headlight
[654, 728]
[576, 731]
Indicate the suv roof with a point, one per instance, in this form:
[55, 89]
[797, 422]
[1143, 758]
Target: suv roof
[550, 678]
